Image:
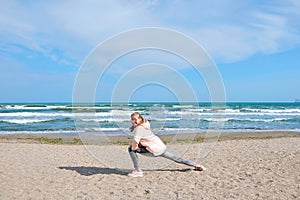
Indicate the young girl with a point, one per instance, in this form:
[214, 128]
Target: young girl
[145, 142]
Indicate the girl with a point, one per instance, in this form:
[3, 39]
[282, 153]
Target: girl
[145, 142]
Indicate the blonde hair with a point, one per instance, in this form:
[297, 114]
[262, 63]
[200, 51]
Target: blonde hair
[140, 117]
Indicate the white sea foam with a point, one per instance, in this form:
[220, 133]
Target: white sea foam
[73, 132]
[163, 117]
[25, 121]
[35, 114]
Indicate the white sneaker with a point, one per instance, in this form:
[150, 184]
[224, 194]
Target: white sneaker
[135, 174]
[200, 168]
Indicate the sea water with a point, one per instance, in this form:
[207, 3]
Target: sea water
[165, 118]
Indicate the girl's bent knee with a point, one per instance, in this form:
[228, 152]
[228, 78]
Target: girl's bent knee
[129, 149]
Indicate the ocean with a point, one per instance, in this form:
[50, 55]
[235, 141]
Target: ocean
[165, 118]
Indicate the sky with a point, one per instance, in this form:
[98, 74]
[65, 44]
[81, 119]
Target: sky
[254, 45]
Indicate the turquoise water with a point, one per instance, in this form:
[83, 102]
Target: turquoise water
[164, 117]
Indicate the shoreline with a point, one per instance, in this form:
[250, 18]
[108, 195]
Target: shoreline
[125, 140]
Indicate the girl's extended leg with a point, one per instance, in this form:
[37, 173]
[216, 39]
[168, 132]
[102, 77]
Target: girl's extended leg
[178, 159]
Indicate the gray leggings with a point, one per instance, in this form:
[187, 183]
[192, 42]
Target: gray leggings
[166, 154]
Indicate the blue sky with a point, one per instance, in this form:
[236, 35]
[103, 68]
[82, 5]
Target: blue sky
[255, 45]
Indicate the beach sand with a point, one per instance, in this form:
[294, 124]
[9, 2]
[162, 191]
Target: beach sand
[238, 167]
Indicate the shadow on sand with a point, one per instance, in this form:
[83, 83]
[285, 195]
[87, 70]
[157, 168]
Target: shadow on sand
[89, 171]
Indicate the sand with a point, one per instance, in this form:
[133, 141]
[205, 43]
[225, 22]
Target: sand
[236, 169]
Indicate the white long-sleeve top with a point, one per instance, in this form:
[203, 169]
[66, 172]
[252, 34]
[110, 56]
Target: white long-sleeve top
[146, 138]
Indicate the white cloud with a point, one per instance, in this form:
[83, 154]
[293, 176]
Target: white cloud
[263, 29]
[51, 34]
[229, 30]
